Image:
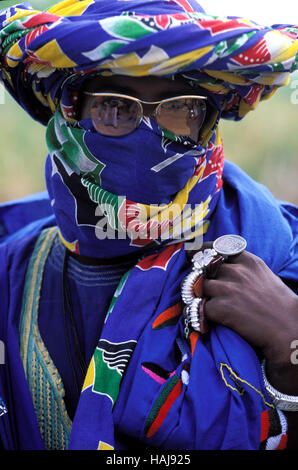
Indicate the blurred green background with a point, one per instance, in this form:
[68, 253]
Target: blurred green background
[264, 144]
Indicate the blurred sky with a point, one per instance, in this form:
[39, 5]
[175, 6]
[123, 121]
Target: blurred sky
[266, 12]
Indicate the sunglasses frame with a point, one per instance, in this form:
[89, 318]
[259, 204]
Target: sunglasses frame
[140, 102]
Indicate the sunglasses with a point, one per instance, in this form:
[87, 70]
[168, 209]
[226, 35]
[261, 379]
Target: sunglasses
[115, 114]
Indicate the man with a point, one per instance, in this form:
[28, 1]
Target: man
[101, 335]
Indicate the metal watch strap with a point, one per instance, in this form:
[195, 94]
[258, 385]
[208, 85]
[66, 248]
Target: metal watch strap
[280, 400]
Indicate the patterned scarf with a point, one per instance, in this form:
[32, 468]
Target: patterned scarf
[47, 55]
[168, 189]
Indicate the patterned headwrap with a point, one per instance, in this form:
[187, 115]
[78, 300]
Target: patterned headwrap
[46, 56]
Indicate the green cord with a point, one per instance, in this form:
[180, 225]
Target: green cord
[7, 43]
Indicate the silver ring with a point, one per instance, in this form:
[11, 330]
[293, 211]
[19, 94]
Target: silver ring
[229, 245]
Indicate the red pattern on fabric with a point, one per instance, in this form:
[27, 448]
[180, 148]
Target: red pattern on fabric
[253, 95]
[265, 424]
[34, 34]
[215, 164]
[185, 5]
[129, 215]
[193, 337]
[40, 18]
[283, 442]
[171, 312]
[180, 17]
[33, 58]
[163, 21]
[257, 54]
[220, 26]
[165, 408]
[159, 260]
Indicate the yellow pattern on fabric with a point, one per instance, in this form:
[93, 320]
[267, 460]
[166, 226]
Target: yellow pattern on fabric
[51, 103]
[161, 213]
[21, 13]
[287, 47]
[43, 378]
[229, 77]
[25, 338]
[222, 365]
[104, 446]
[89, 379]
[69, 245]
[51, 52]
[151, 63]
[70, 7]
[14, 55]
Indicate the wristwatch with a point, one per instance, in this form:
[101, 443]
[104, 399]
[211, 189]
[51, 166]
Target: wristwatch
[279, 400]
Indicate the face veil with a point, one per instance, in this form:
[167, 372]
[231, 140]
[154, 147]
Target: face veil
[45, 57]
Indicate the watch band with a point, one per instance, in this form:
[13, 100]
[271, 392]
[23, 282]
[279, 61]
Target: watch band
[279, 400]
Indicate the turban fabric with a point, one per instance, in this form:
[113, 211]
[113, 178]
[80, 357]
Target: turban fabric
[238, 60]
[45, 57]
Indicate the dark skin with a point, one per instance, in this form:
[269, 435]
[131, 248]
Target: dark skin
[246, 295]
[249, 298]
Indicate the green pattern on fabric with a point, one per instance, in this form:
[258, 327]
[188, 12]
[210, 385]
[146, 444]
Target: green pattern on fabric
[117, 293]
[126, 28]
[160, 401]
[43, 378]
[104, 49]
[67, 143]
[107, 380]
[109, 203]
[227, 47]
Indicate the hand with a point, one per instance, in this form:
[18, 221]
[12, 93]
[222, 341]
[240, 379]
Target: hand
[249, 298]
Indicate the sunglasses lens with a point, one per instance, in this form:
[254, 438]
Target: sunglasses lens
[182, 116]
[115, 116]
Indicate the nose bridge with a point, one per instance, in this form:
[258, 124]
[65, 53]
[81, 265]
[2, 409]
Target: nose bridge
[149, 108]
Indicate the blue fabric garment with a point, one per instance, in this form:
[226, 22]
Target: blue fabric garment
[91, 290]
[244, 207]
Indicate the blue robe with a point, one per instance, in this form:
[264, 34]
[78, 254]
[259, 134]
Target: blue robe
[245, 208]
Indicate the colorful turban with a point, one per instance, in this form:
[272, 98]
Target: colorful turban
[238, 60]
[45, 57]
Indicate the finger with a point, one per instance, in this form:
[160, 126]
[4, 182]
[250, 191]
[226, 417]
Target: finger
[246, 258]
[236, 259]
[228, 272]
[216, 288]
[215, 311]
